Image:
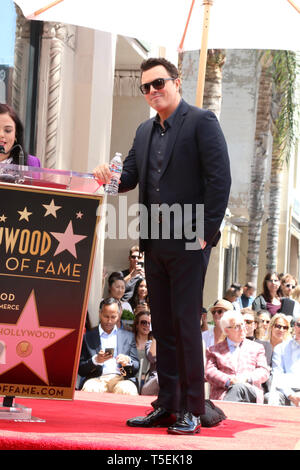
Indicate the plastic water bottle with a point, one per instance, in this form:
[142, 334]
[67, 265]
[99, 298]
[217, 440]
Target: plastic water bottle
[115, 167]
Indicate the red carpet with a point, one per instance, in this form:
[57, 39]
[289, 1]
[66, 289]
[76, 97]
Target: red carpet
[94, 421]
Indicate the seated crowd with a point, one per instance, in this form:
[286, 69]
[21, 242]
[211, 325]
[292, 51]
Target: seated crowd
[119, 355]
[252, 344]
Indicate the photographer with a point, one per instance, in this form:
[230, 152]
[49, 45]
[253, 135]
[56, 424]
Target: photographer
[134, 273]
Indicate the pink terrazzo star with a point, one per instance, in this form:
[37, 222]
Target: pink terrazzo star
[26, 340]
[67, 240]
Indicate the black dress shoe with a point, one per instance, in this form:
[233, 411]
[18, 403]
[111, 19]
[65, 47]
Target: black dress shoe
[186, 424]
[155, 419]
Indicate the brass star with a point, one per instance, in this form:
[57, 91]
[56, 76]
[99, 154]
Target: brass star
[3, 218]
[51, 209]
[24, 214]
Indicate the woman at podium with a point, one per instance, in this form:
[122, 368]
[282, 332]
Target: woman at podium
[11, 139]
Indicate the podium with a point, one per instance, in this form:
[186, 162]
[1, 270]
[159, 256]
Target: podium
[48, 236]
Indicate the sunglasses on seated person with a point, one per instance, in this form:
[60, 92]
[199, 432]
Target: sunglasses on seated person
[281, 327]
[158, 84]
[264, 321]
[219, 311]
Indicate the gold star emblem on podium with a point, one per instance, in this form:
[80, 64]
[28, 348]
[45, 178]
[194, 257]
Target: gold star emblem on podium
[51, 208]
[24, 214]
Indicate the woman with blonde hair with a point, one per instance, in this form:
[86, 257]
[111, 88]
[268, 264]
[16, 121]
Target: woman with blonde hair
[279, 329]
[296, 293]
[263, 318]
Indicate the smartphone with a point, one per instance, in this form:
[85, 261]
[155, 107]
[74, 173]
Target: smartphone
[109, 351]
[140, 264]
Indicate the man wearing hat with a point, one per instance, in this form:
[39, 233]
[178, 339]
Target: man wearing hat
[214, 335]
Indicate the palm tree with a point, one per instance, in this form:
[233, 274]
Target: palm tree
[284, 69]
[259, 168]
[212, 97]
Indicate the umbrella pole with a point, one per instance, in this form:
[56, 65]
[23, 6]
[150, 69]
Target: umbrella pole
[203, 54]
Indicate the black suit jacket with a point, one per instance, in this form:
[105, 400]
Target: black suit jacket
[196, 168]
[91, 345]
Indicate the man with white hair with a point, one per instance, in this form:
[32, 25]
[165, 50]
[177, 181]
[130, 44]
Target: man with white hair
[236, 367]
[285, 388]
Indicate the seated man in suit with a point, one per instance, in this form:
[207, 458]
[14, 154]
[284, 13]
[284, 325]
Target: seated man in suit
[108, 371]
[236, 367]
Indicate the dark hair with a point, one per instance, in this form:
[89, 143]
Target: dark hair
[154, 62]
[115, 276]
[6, 109]
[266, 292]
[249, 285]
[136, 322]
[135, 296]
[110, 301]
[236, 285]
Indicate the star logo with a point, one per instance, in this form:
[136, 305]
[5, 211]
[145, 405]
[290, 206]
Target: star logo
[79, 215]
[26, 340]
[24, 214]
[67, 240]
[3, 218]
[51, 208]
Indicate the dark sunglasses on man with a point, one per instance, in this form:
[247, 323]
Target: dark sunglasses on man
[157, 84]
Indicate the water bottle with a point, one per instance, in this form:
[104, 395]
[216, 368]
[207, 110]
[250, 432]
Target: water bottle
[115, 167]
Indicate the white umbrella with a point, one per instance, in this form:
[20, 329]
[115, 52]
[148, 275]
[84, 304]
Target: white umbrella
[232, 24]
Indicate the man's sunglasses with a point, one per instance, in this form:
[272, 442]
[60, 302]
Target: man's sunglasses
[158, 84]
[290, 286]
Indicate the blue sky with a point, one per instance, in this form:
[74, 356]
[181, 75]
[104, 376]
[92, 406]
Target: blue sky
[7, 32]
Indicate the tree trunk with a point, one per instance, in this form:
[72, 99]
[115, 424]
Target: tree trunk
[212, 98]
[274, 218]
[258, 171]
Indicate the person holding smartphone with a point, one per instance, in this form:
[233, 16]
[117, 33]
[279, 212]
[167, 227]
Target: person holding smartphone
[109, 359]
[135, 271]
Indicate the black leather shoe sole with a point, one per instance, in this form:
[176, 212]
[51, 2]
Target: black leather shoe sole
[182, 431]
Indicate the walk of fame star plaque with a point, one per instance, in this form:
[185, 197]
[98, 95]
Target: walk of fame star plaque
[47, 245]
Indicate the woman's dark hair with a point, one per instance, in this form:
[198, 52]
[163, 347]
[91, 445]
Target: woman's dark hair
[115, 276]
[137, 320]
[135, 296]
[266, 292]
[6, 109]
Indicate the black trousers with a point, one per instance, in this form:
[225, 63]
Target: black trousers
[175, 280]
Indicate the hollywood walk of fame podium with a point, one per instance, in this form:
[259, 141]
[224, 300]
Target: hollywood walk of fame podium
[48, 236]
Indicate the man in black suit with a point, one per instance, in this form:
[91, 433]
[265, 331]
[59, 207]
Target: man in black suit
[180, 161]
[107, 354]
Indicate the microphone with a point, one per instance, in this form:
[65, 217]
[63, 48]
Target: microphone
[21, 154]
